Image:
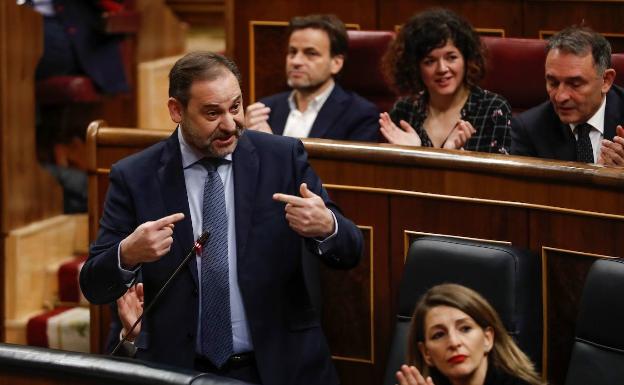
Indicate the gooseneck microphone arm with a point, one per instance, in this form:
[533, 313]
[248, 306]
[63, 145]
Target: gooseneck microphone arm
[197, 247]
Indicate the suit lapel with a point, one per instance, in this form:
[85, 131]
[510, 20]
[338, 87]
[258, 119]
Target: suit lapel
[246, 167]
[567, 149]
[279, 115]
[173, 187]
[613, 114]
[332, 109]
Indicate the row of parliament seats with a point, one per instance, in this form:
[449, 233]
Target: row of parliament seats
[514, 69]
[66, 324]
[509, 278]
[44, 304]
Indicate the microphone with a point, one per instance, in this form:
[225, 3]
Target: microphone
[197, 249]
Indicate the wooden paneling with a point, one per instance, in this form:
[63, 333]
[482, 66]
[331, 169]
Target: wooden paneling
[352, 314]
[487, 14]
[603, 16]
[569, 213]
[198, 12]
[27, 192]
[161, 33]
[563, 275]
[268, 42]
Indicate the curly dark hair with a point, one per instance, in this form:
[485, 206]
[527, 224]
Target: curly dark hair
[422, 33]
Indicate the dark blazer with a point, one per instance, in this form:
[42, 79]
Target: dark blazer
[538, 132]
[289, 345]
[344, 116]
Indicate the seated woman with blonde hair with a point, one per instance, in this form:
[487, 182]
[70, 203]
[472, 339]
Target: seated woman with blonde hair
[457, 338]
[436, 62]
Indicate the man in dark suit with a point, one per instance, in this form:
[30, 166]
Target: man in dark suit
[317, 106]
[581, 122]
[241, 308]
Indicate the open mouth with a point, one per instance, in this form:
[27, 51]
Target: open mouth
[444, 81]
[225, 141]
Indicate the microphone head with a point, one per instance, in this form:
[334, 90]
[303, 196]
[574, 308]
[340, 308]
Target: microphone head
[203, 238]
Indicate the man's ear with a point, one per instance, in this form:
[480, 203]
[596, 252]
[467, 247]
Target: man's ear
[425, 354]
[176, 111]
[336, 63]
[607, 80]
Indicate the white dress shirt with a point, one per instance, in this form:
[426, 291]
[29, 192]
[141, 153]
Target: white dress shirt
[299, 124]
[596, 134]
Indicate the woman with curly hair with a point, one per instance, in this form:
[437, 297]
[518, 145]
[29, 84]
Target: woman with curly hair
[457, 338]
[436, 62]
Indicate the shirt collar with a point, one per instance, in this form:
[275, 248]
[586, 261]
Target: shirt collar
[191, 155]
[597, 120]
[316, 103]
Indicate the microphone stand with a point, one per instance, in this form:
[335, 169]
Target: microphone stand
[196, 249]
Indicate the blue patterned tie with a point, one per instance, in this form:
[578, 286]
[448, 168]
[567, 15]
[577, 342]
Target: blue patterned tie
[216, 324]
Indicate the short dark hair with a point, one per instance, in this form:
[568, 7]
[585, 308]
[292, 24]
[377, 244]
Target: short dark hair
[421, 34]
[580, 40]
[331, 24]
[199, 65]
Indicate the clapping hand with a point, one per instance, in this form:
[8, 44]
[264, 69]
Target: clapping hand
[409, 375]
[130, 308]
[395, 135]
[612, 152]
[459, 135]
[257, 116]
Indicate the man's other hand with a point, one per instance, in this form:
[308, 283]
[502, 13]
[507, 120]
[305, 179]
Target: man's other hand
[612, 152]
[307, 215]
[130, 308]
[257, 116]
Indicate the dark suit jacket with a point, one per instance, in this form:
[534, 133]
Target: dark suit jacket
[289, 344]
[344, 116]
[538, 132]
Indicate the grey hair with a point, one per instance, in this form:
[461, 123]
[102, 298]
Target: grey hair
[581, 40]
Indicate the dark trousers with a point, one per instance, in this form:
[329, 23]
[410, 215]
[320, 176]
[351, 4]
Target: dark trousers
[240, 366]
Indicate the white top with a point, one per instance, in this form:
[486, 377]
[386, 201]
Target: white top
[299, 124]
[596, 134]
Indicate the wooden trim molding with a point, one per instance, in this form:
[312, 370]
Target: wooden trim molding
[546, 251]
[371, 359]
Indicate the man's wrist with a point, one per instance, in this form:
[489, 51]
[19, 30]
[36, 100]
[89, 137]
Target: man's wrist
[124, 262]
[122, 335]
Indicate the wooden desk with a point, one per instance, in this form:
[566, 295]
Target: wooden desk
[569, 214]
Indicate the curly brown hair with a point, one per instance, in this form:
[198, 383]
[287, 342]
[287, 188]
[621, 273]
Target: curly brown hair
[421, 34]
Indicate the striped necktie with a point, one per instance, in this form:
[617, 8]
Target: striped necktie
[216, 324]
